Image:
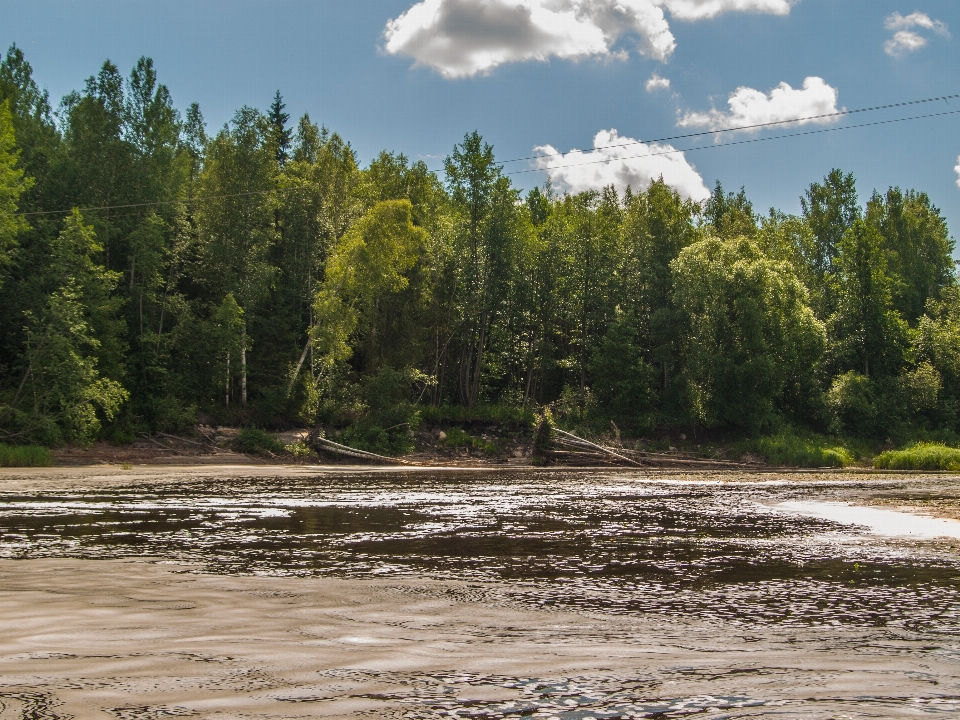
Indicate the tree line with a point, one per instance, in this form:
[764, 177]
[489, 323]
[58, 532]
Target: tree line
[154, 272]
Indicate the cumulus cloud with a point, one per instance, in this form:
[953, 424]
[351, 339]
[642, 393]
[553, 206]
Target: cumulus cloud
[700, 9]
[657, 83]
[906, 38]
[460, 38]
[956, 169]
[753, 107]
[622, 162]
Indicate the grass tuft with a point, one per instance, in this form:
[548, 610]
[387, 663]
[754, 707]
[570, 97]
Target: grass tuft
[920, 456]
[24, 456]
[792, 450]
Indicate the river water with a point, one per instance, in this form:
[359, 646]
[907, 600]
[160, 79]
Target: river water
[745, 554]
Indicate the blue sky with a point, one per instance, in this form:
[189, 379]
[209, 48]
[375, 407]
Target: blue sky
[553, 74]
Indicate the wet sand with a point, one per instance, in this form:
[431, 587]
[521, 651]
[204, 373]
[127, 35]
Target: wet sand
[117, 639]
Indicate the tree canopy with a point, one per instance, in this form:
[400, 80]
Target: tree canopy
[154, 273]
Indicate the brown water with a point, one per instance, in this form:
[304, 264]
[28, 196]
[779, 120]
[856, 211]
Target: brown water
[612, 544]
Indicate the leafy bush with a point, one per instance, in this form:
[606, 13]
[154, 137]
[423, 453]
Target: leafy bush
[30, 428]
[24, 456]
[456, 437]
[507, 415]
[795, 451]
[255, 441]
[366, 434]
[852, 404]
[299, 450]
[920, 456]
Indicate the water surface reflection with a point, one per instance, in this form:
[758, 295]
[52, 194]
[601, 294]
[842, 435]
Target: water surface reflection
[603, 542]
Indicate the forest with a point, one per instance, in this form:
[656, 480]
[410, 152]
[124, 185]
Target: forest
[156, 273]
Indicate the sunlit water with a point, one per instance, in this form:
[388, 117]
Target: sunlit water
[756, 554]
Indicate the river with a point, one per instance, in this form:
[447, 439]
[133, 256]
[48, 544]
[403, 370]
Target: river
[636, 557]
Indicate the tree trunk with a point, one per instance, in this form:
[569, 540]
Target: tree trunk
[477, 369]
[296, 372]
[226, 384]
[243, 368]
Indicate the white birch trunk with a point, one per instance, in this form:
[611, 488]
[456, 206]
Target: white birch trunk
[243, 369]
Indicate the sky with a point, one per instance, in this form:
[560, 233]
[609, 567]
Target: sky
[563, 89]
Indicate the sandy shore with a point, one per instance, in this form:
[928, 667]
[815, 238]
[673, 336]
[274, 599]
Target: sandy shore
[115, 639]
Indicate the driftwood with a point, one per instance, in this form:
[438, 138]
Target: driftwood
[584, 449]
[562, 437]
[332, 446]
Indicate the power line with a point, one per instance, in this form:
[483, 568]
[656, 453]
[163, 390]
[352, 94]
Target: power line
[738, 142]
[184, 201]
[841, 113]
[189, 201]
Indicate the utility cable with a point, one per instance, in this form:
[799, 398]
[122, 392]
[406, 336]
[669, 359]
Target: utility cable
[806, 118]
[190, 201]
[729, 144]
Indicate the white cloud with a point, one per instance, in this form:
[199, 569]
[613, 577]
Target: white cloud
[753, 107]
[903, 42]
[621, 162]
[905, 38]
[956, 169]
[700, 9]
[657, 83]
[914, 20]
[460, 38]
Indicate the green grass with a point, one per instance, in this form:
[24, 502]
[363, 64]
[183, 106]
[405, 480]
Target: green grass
[24, 456]
[801, 451]
[920, 456]
[502, 414]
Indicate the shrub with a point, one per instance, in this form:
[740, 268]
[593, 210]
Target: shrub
[456, 437]
[515, 416]
[29, 428]
[852, 404]
[795, 451]
[24, 456]
[920, 456]
[255, 441]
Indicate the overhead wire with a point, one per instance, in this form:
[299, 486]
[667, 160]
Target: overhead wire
[757, 126]
[672, 151]
[730, 144]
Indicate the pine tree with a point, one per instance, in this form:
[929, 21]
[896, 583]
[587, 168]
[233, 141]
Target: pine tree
[282, 135]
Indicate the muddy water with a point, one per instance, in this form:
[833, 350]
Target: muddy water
[725, 555]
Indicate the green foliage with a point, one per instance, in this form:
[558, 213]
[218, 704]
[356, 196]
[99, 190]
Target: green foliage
[920, 456]
[13, 183]
[852, 404]
[28, 427]
[259, 275]
[513, 416]
[255, 441]
[867, 334]
[63, 348]
[750, 334]
[24, 456]
[793, 450]
[457, 437]
[543, 433]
